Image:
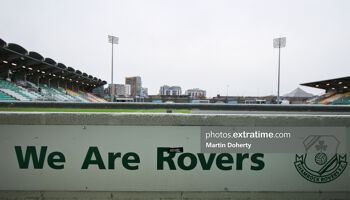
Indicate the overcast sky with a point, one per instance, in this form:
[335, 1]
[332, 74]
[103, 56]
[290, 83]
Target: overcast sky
[207, 44]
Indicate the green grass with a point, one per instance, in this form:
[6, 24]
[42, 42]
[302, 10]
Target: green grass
[88, 110]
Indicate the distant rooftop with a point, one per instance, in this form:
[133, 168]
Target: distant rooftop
[298, 93]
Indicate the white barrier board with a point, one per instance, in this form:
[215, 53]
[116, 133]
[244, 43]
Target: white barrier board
[136, 158]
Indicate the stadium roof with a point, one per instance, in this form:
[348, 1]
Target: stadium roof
[338, 84]
[17, 58]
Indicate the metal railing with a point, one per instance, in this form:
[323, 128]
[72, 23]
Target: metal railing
[180, 106]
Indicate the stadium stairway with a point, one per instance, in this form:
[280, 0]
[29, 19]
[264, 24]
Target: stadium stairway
[83, 95]
[5, 97]
[96, 97]
[77, 96]
[63, 96]
[55, 94]
[33, 95]
[91, 97]
[12, 90]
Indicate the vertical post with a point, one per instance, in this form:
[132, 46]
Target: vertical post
[112, 93]
[279, 64]
[227, 93]
[113, 40]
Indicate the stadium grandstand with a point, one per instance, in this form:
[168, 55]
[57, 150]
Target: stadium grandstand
[28, 76]
[337, 91]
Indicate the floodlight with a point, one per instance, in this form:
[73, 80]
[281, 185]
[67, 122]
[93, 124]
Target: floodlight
[113, 39]
[279, 42]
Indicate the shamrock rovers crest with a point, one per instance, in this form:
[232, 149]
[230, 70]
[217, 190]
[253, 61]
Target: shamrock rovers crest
[321, 162]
